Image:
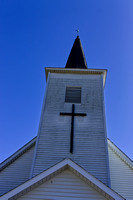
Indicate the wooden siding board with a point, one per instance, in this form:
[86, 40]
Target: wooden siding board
[121, 175]
[89, 132]
[63, 186]
[17, 172]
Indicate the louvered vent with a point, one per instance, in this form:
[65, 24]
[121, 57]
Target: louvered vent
[73, 95]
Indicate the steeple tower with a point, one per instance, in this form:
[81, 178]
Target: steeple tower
[76, 57]
[72, 123]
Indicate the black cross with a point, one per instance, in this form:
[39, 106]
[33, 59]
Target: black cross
[72, 123]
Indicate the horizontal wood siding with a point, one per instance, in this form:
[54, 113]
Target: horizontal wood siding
[121, 176]
[63, 187]
[17, 172]
[89, 149]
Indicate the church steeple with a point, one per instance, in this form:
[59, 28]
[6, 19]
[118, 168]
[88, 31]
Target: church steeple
[72, 123]
[76, 57]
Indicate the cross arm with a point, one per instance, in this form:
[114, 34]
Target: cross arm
[75, 114]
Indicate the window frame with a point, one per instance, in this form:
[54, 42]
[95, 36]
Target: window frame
[67, 93]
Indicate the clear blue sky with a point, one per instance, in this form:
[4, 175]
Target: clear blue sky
[37, 33]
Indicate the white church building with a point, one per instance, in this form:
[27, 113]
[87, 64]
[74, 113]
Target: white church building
[71, 157]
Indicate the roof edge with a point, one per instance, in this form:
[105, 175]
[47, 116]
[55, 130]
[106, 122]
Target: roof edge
[76, 71]
[42, 177]
[120, 153]
[17, 154]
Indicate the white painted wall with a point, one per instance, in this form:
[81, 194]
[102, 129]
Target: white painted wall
[63, 187]
[89, 132]
[17, 172]
[121, 175]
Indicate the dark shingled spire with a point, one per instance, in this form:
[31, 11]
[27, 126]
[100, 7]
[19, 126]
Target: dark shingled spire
[76, 57]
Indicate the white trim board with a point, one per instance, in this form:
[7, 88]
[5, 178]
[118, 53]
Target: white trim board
[119, 153]
[46, 175]
[17, 154]
[76, 71]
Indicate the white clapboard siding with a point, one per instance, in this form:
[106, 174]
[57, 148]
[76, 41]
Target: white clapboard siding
[90, 148]
[63, 187]
[17, 172]
[121, 175]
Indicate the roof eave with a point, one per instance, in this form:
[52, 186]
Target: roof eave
[120, 153]
[39, 179]
[76, 71]
[17, 154]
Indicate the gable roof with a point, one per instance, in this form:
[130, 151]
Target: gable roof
[31, 143]
[76, 57]
[56, 169]
[17, 154]
[120, 153]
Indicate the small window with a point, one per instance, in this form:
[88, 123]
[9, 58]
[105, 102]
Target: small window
[73, 95]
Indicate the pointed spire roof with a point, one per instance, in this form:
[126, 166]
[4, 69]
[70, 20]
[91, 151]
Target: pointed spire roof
[76, 57]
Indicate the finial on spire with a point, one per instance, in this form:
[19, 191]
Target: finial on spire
[77, 30]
